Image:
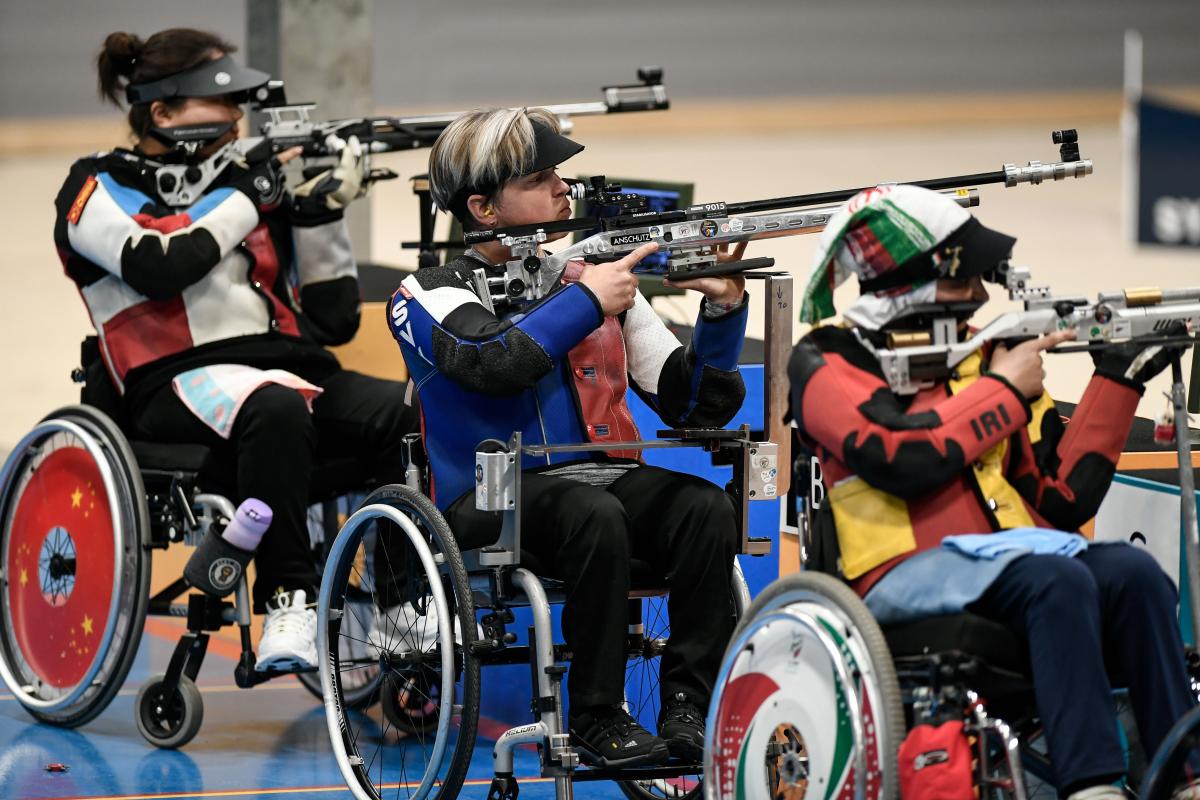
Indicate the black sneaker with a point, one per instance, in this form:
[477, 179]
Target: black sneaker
[681, 723]
[606, 736]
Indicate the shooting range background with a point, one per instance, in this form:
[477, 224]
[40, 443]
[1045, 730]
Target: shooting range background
[769, 99]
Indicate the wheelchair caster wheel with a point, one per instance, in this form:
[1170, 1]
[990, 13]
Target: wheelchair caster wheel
[504, 787]
[411, 704]
[169, 719]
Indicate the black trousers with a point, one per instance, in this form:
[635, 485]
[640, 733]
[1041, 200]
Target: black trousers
[274, 443]
[683, 526]
[1109, 612]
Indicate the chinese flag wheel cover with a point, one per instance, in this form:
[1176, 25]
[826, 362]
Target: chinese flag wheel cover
[57, 627]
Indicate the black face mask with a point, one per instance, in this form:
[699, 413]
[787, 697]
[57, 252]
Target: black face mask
[185, 141]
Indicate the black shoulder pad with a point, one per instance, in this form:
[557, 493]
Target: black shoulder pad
[842, 341]
[454, 273]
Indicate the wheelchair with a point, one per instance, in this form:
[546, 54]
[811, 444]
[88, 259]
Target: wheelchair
[421, 739]
[814, 698]
[82, 509]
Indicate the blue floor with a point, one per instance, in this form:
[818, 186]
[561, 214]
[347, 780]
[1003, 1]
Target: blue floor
[267, 742]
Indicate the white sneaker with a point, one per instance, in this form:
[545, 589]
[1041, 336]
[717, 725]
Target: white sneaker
[1189, 792]
[289, 638]
[401, 628]
[1105, 792]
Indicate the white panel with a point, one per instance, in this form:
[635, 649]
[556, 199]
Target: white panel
[1130, 509]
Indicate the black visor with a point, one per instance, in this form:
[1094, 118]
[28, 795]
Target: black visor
[974, 249]
[222, 76]
[550, 149]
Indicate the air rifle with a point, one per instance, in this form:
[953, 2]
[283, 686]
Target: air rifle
[913, 360]
[690, 236]
[290, 125]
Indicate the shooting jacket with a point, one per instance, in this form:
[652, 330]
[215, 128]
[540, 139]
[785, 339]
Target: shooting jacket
[556, 371]
[968, 455]
[219, 282]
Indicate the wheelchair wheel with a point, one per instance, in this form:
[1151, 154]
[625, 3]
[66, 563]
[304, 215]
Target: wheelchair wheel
[419, 743]
[169, 719]
[642, 693]
[71, 495]
[1177, 762]
[807, 704]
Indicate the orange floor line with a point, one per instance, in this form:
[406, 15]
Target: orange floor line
[279, 791]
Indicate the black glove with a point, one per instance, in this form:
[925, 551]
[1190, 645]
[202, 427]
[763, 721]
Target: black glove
[259, 176]
[326, 191]
[1138, 360]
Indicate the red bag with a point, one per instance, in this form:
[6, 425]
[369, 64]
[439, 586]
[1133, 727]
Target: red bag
[935, 763]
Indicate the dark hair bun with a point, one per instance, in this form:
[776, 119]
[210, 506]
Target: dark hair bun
[122, 51]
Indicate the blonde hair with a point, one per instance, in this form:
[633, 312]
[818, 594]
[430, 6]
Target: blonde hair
[482, 149]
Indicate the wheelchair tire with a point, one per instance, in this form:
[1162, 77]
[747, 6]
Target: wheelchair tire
[806, 677]
[642, 695]
[71, 493]
[1176, 762]
[169, 720]
[423, 736]
[361, 691]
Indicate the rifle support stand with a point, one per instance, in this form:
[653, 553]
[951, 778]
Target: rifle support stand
[1187, 495]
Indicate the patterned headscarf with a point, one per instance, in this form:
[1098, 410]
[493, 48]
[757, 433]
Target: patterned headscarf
[897, 240]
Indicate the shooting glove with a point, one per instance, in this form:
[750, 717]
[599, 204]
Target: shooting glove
[326, 191]
[1137, 361]
[259, 176]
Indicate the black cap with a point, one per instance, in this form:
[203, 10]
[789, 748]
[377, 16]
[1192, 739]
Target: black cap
[972, 249]
[212, 78]
[549, 150]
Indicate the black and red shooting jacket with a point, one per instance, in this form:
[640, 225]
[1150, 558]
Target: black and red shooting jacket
[967, 455]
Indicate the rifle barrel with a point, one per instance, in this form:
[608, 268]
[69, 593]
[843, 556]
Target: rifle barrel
[1150, 296]
[839, 195]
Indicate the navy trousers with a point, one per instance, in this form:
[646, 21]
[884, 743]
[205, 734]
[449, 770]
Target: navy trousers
[1103, 618]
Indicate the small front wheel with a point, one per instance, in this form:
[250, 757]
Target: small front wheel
[169, 719]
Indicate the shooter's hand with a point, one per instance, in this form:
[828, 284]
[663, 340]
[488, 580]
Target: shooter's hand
[328, 190]
[1137, 361]
[258, 175]
[614, 284]
[725, 290]
[1022, 365]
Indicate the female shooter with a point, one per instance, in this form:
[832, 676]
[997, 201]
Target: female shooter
[211, 313]
[982, 449]
[557, 370]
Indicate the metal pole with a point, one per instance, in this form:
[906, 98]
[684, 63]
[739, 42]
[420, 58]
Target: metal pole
[322, 52]
[1129, 131]
[777, 338]
[1187, 494]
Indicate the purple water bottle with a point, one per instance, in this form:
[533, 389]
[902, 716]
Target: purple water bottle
[220, 559]
[248, 525]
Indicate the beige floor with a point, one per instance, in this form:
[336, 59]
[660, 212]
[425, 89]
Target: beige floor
[1071, 233]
